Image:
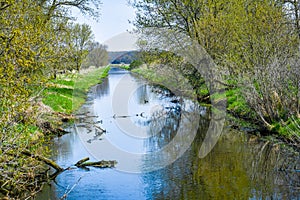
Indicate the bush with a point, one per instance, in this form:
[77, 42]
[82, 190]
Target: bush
[134, 64]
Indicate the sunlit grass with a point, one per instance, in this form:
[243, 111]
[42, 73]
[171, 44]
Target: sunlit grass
[67, 93]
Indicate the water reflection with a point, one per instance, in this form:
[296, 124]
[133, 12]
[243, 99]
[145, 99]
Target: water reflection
[233, 170]
[103, 88]
[148, 128]
[239, 167]
[142, 94]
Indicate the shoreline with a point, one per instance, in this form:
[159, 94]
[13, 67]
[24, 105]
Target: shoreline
[50, 111]
[65, 95]
[59, 120]
[235, 118]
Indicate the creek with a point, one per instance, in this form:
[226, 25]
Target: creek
[155, 138]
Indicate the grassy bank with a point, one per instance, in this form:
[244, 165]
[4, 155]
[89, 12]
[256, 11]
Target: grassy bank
[68, 92]
[239, 114]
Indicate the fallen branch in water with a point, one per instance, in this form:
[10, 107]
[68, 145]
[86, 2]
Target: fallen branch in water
[82, 161]
[69, 191]
[121, 116]
[100, 164]
[47, 161]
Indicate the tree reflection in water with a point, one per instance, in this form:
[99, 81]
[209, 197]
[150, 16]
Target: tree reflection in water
[237, 168]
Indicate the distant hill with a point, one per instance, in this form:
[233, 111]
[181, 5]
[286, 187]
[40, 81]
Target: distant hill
[119, 57]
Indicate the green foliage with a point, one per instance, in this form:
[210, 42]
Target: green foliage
[23, 47]
[97, 56]
[289, 129]
[134, 64]
[126, 67]
[81, 36]
[254, 43]
[237, 103]
[33, 46]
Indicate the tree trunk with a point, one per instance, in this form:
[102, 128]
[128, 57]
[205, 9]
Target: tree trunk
[45, 160]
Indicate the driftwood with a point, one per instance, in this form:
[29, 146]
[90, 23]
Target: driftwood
[65, 196]
[100, 164]
[121, 116]
[49, 129]
[99, 129]
[80, 164]
[82, 161]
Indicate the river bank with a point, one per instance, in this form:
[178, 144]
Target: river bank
[25, 166]
[68, 91]
[64, 96]
[239, 115]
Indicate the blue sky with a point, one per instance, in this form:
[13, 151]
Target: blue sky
[113, 20]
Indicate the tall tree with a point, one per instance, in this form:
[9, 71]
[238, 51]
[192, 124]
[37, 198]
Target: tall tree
[61, 8]
[98, 55]
[24, 46]
[224, 29]
[80, 38]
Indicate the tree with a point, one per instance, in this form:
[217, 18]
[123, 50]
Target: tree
[80, 38]
[57, 13]
[253, 42]
[97, 56]
[32, 43]
[23, 49]
[61, 8]
[224, 29]
[293, 10]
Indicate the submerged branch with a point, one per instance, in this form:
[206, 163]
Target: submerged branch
[65, 196]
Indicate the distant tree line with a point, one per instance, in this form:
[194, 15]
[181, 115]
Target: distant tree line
[125, 57]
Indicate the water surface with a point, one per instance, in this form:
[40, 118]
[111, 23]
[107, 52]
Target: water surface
[155, 137]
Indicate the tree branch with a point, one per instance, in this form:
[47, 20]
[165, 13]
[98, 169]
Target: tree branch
[45, 160]
[3, 6]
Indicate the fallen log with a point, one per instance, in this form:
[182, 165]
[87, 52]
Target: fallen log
[99, 164]
[47, 161]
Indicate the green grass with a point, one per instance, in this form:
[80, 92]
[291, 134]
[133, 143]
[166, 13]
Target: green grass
[68, 92]
[58, 102]
[236, 102]
[126, 67]
[288, 129]
[152, 76]
[239, 112]
[64, 82]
